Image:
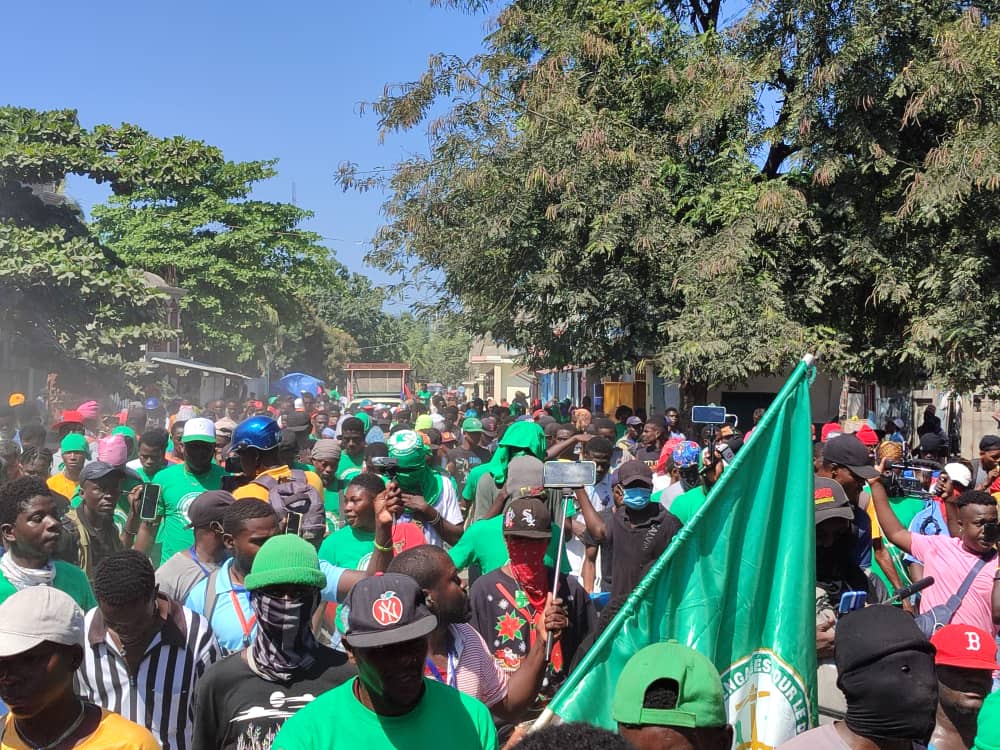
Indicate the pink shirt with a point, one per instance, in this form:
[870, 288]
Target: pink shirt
[949, 563]
[473, 669]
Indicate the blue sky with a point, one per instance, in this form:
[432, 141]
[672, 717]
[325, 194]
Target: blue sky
[258, 79]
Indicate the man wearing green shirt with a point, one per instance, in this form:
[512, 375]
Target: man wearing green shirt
[31, 531]
[390, 704]
[326, 457]
[181, 484]
[152, 454]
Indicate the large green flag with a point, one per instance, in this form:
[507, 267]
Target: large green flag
[737, 583]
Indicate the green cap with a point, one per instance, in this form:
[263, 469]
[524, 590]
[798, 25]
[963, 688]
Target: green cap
[699, 690]
[125, 430]
[408, 448]
[285, 560]
[75, 443]
[472, 424]
[988, 723]
[424, 422]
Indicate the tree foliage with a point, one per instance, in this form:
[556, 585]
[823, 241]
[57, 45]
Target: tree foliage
[261, 292]
[624, 179]
[63, 295]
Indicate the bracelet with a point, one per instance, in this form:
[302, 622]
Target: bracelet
[380, 548]
[436, 520]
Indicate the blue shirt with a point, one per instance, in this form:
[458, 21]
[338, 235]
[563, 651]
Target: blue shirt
[863, 538]
[928, 522]
[232, 632]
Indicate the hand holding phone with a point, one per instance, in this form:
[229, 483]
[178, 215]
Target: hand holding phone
[149, 501]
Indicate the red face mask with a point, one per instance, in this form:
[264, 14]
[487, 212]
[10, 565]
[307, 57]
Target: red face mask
[527, 564]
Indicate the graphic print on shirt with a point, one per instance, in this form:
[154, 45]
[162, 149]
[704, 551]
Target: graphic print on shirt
[256, 737]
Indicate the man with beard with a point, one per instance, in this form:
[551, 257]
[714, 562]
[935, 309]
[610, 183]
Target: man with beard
[390, 704]
[41, 640]
[244, 699]
[457, 655]
[966, 659]
[886, 671]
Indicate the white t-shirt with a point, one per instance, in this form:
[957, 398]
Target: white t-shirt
[448, 507]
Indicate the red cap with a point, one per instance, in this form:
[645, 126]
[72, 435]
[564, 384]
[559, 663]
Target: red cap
[71, 416]
[830, 430]
[867, 435]
[965, 646]
[539, 413]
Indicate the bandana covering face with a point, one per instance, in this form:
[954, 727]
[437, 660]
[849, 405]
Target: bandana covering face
[284, 642]
[526, 563]
[414, 476]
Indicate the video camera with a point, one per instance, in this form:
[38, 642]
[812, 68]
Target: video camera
[911, 479]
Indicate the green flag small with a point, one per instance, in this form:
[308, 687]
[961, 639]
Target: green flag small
[737, 584]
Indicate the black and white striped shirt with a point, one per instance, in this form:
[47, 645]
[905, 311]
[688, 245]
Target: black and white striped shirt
[159, 697]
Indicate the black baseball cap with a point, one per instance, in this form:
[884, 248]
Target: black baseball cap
[848, 451]
[97, 470]
[989, 443]
[527, 517]
[384, 609]
[208, 508]
[830, 500]
[634, 472]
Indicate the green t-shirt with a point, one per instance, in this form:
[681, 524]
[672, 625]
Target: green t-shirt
[905, 508]
[69, 579]
[336, 719]
[483, 543]
[347, 469]
[686, 505]
[331, 506]
[346, 547]
[180, 488]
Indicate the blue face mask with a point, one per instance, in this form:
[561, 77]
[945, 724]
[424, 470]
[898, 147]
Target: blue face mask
[637, 498]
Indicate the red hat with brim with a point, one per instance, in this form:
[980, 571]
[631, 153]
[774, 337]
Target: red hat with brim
[71, 416]
[966, 647]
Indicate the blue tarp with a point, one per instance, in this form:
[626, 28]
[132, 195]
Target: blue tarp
[295, 382]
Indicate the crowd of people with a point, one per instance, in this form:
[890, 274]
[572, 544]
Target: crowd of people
[299, 574]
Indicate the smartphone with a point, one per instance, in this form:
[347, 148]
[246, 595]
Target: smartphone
[149, 501]
[991, 532]
[294, 525]
[569, 474]
[852, 600]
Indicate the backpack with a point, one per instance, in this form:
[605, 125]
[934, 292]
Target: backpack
[296, 495]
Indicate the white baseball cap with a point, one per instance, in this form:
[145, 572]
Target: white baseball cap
[959, 473]
[199, 429]
[38, 614]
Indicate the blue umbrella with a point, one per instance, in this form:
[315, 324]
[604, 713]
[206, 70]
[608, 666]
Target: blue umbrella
[295, 382]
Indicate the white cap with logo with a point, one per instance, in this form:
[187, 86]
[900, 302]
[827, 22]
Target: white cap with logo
[38, 614]
[199, 429]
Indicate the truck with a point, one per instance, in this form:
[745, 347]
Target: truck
[386, 383]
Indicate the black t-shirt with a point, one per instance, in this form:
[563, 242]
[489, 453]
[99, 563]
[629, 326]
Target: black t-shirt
[649, 455]
[504, 620]
[607, 551]
[235, 708]
[637, 547]
[463, 461]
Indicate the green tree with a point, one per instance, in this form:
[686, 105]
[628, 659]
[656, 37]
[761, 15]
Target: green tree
[610, 182]
[262, 293]
[64, 295]
[437, 348]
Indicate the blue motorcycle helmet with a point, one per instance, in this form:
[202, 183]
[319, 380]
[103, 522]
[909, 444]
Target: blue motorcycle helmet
[258, 432]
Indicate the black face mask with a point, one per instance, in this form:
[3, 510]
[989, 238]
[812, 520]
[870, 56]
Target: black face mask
[894, 698]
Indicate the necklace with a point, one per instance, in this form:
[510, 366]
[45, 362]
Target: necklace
[47, 746]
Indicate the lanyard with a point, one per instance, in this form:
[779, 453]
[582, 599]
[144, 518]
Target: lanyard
[194, 556]
[436, 673]
[247, 625]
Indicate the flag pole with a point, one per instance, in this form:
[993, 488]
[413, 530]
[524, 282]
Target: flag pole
[549, 640]
[608, 633]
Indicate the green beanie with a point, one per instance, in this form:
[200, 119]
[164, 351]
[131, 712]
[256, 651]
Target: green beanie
[75, 443]
[408, 448]
[285, 560]
[988, 723]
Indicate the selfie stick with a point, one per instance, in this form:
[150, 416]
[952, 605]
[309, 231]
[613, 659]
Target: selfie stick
[549, 640]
